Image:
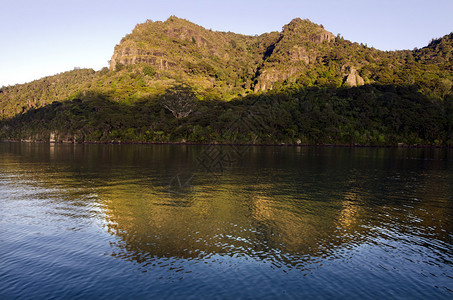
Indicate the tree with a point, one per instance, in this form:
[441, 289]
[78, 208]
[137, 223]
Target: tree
[444, 87]
[149, 70]
[180, 100]
[119, 66]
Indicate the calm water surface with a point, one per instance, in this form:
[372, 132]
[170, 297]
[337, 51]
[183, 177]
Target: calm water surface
[137, 221]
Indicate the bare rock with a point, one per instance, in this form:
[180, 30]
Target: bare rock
[353, 78]
[322, 37]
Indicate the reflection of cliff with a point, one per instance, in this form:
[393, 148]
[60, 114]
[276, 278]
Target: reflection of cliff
[306, 225]
[150, 223]
[350, 211]
[304, 202]
[233, 218]
[261, 217]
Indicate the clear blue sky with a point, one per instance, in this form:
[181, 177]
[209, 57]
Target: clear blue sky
[45, 37]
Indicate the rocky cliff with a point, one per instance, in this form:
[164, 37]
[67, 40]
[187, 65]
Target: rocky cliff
[179, 48]
[256, 63]
[302, 54]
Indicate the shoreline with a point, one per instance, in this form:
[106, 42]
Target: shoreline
[400, 145]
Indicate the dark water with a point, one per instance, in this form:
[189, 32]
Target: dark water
[171, 221]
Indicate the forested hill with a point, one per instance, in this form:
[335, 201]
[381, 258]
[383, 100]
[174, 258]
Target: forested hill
[369, 96]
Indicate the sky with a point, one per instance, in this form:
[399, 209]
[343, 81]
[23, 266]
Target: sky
[45, 37]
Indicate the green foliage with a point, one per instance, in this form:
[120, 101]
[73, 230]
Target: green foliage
[23, 97]
[180, 100]
[119, 66]
[369, 115]
[149, 71]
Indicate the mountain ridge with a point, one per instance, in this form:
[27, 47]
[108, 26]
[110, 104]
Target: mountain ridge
[308, 86]
[215, 47]
[292, 55]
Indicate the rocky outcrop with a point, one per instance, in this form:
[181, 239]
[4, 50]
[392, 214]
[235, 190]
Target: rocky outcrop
[322, 37]
[268, 77]
[182, 47]
[296, 51]
[299, 53]
[353, 78]
[168, 45]
[305, 30]
[131, 56]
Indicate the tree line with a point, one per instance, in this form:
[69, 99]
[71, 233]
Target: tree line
[378, 115]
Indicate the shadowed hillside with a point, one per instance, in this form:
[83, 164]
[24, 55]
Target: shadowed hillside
[366, 115]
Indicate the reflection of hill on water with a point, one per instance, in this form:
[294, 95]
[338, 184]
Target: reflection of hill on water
[285, 205]
[267, 213]
[235, 219]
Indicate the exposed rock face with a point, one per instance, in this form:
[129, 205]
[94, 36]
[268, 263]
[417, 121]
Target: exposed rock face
[299, 47]
[322, 37]
[299, 53]
[52, 137]
[270, 76]
[131, 56]
[168, 45]
[177, 44]
[305, 30]
[353, 78]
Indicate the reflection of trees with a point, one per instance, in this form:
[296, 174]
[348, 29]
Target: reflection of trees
[432, 207]
[282, 207]
[153, 222]
[261, 217]
[238, 219]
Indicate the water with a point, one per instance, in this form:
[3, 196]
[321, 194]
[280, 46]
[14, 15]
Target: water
[172, 221]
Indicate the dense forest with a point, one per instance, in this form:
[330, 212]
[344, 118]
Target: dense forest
[175, 81]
